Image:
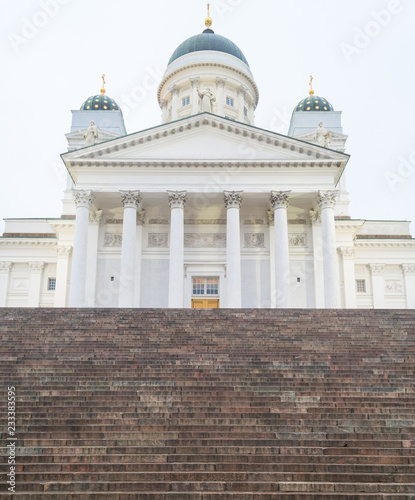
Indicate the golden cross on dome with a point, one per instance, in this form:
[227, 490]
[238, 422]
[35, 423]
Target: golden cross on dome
[311, 91]
[103, 85]
[208, 20]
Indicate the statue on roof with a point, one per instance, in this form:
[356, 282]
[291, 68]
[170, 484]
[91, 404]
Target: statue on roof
[322, 136]
[207, 99]
[91, 134]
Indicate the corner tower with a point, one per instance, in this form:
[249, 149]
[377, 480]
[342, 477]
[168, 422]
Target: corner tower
[208, 73]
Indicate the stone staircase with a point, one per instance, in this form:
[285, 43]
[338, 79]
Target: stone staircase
[210, 404]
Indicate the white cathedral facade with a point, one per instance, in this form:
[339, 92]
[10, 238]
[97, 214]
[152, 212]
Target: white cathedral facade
[206, 210]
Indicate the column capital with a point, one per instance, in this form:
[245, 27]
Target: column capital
[280, 199]
[194, 81]
[327, 199]
[315, 216]
[83, 198]
[233, 199]
[220, 82]
[242, 90]
[95, 217]
[64, 251]
[347, 252]
[5, 266]
[164, 104]
[174, 90]
[36, 267]
[271, 218]
[131, 199]
[177, 199]
[140, 217]
[408, 269]
[377, 269]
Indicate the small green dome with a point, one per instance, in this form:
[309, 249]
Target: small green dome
[100, 102]
[314, 103]
[208, 40]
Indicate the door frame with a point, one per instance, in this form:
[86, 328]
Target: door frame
[201, 270]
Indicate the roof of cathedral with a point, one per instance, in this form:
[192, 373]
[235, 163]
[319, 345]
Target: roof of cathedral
[208, 40]
[314, 103]
[100, 102]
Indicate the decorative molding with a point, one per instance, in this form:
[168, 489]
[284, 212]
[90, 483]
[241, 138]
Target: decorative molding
[205, 240]
[194, 81]
[327, 199]
[220, 82]
[393, 286]
[254, 240]
[271, 217]
[408, 269]
[36, 267]
[253, 222]
[212, 222]
[297, 240]
[177, 199]
[83, 198]
[64, 251]
[377, 269]
[112, 240]
[158, 221]
[95, 217]
[141, 218]
[233, 199]
[158, 240]
[5, 266]
[280, 199]
[297, 222]
[20, 284]
[347, 252]
[131, 199]
[174, 90]
[113, 221]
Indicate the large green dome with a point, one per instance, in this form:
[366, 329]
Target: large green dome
[208, 40]
[100, 102]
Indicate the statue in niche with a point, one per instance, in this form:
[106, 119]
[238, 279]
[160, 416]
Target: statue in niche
[91, 134]
[207, 99]
[322, 136]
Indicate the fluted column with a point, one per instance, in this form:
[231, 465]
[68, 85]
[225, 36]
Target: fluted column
[83, 201]
[327, 202]
[349, 277]
[241, 104]
[62, 275]
[35, 283]
[220, 101]
[92, 257]
[233, 201]
[131, 201]
[195, 95]
[409, 278]
[5, 268]
[174, 102]
[271, 226]
[177, 201]
[138, 256]
[279, 204]
[378, 285]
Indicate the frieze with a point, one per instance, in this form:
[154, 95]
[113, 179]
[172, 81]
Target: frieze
[297, 221]
[197, 222]
[113, 221]
[254, 240]
[393, 286]
[297, 240]
[158, 221]
[112, 240]
[5, 266]
[253, 222]
[158, 240]
[205, 240]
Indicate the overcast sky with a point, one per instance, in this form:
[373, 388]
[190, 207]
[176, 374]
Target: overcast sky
[360, 53]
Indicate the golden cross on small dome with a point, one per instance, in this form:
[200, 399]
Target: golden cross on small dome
[208, 20]
[311, 91]
[103, 85]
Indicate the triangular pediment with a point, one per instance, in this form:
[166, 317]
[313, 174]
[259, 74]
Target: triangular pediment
[204, 137]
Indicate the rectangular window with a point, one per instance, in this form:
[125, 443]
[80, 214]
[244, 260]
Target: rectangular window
[198, 286]
[51, 284]
[361, 286]
[212, 286]
[186, 101]
[206, 286]
[230, 101]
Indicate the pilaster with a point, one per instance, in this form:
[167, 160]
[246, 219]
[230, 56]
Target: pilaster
[35, 283]
[220, 89]
[195, 95]
[349, 277]
[174, 102]
[62, 274]
[5, 270]
[409, 278]
[378, 285]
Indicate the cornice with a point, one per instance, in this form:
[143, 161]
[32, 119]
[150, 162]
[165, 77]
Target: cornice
[384, 243]
[33, 242]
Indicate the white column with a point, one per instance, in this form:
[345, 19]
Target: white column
[131, 201]
[279, 204]
[251, 113]
[92, 257]
[241, 104]
[35, 283]
[378, 285]
[233, 201]
[5, 268]
[271, 226]
[349, 277]
[164, 111]
[138, 256]
[327, 202]
[315, 218]
[83, 200]
[177, 201]
[174, 102]
[62, 275]
[409, 278]
[220, 101]
[195, 95]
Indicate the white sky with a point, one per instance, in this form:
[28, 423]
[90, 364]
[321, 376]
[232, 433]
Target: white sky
[58, 61]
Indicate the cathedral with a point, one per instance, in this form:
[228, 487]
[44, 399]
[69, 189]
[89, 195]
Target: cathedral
[207, 209]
